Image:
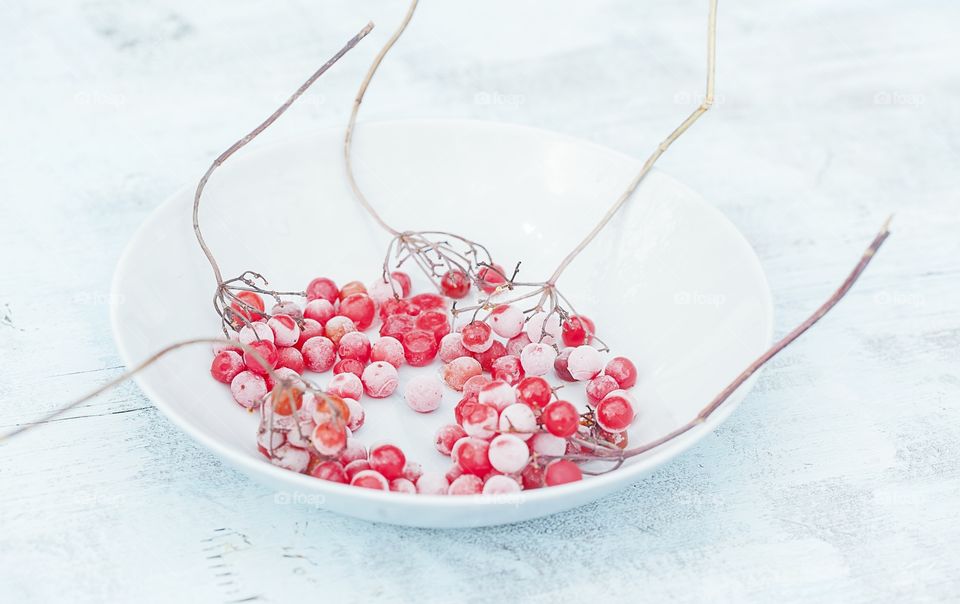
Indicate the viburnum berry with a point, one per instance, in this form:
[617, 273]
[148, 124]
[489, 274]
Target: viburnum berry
[455, 284]
[387, 349]
[320, 310]
[387, 459]
[584, 363]
[498, 394]
[287, 307]
[337, 327]
[463, 406]
[427, 301]
[434, 321]
[560, 418]
[489, 356]
[507, 321]
[451, 347]
[319, 354]
[508, 454]
[254, 333]
[491, 277]
[423, 393]
[248, 389]
[468, 484]
[395, 306]
[475, 384]
[290, 358]
[329, 438]
[370, 479]
[500, 485]
[458, 371]
[543, 327]
[419, 347]
[561, 471]
[518, 419]
[268, 357]
[537, 358]
[432, 483]
[360, 309]
[447, 436]
[614, 413]
[357, 414]
[327, 408]
[291, 458]
[309, 329]
[329, 470]
[508, 369]
[561, 365]
[476, 336]
[379, 379]
[324, 288]
[577, 331]
[623, 370]
[350, 289]
[353, 468]
[480, 420]
[247, 305]
[599, 387]
[226, 365]
[532, 476]
[348, 366]
[395, 326]
[403, 279]
[286, 332]
[403, 485]
[380, 290]
[516, 344]
[534, 391]
[345, 385]
[353, 451]
[285, 402]
[354, 345]
[544, 443]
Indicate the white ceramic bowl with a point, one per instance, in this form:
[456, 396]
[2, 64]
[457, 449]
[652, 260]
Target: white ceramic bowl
[671, 284]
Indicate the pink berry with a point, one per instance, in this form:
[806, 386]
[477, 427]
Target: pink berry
[532, 476]
[622, 370]
[337, 327]
[476, 336]
[508, 454]
[353, 451]
[458, 371]
[395, 326]
[247, 305]
[544, 443]
[354, 345]
[319, 354]
[329, 438]
[489, 356]
[403, 279]
[561, 365]
[266, 356]
[380, 291]
[434, 321]
[291, 359]
[544, 327]
[412, 471]
[379, 379]
[291, 458]
[226, 365]
[287, 307]
[432, 483]
[446, 436]
[508, 369]
[599, 387]
[357, 414]
[351, 288]
[500, 485]
[561, 471]
[480, 420]
[516, 344]
[329, 470]
[475, 384]
[402, 485]
[387, 349]
[534, 391]
[319, 310]
[451, 347]
[345, 385]
[419, 348]
[429, 301]
[348, 366]
[498, 394]
[468, 484]
[286, 332]
[370, 479]
[577, 331]
[255, 332]
[506, 321]
[537, 358]
[387, 459]
[491, 277]
[584, 363]
[353, 468]
[248, 389]
[360, 309]
[423, 393]
[309, 329]
[324, 288]
[518, 419]
[614, 413]
[470, 454]
[455, 284]
[560, 418]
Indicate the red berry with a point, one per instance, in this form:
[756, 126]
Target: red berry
[404, 280]
[387, 459]
[622, 370]
[480, 420]
[310, 329]
[419, 347]
[290, 358]
[508, 368]
[434, 321]
[345, 385]
[468, 484]
[329, 438]
[395, 326]
[487, 357]
[534, 391]
[337, 326]
[446, 436]
[403, 485]
[387, 349]
[394, 306]
[451, 347]
[577, 331]
[560, 418]
[329, 470]
[319, 354]
[599, 387]
[348, 366]
[226, 365]
[455, 284]
[320, 310]
[471, 455]
[352, 468]
[477, 336]
[490, 278]
[248, 389]
[268, 354]
[286, 332]
[532, 476]
[459, 370]
[360, 309]
[614, 413]
[247, 304]
[321, 287]
[429, 301]
[464, 406]
[370, 479]
[379, 379]
[561, 471]
[354, 345]
[562, 365]
[351, 288]
[516, 344]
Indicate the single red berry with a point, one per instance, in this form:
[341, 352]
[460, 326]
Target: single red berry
[490, 355]
[321, 287]
[561, 471]
[561, 365]
[286, 332]
[370, 479]
[560, 418]
[360, 309]
[320, 310]
[532, 476]
[226, 365]
[434, 321]
[319, 354]
[395, 326]
[508, 368]
[477, 336]
[491, 277]
[328, 470]
[290, 358]
[329, 437]
[455, 284]
[419, 347]
[428, 301]
[352, 468]
[387, 349]
[577, 331]
[622, 370]
[468, 484]
[464, 407]
[354, 345]
[351, 288]
[247, 304]
[599, 387]
[404, 280]
[387, 459]
[267, 351]
[535, 392]
[614, 413]
[348, 366]
[470, 454]
[446, 436]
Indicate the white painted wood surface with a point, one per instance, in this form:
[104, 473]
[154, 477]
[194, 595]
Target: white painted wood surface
[837, 480]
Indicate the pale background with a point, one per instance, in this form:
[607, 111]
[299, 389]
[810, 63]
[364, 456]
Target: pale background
[838, 479]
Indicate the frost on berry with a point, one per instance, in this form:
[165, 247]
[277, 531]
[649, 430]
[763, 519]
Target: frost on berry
[506, 321]
[599, 387]
[419, 347]
[248, 389]
[423, 393]
[561, 471]
[458, 371]
[584, 363]
[309, 329]
[451, 347]
[498, 394]
[320, 310]
[623, 370]
[508, 369]
[432, 483]
[534, 391]
[480, 420]
[286, 332]
[516, 344]
[475, 384]
[226, 365]
[560, 418]
[477, 336]
[577, 331]
[467, 484]
[544, 443]
[489, 356]
[614, 413]
[337, 327]
[518, 419]
[500, 485]
[254, 332]
[345, 385]
[543, 327]
[291, 358]
[447, 436]
[387, 349]
[379, 379]
[319, 354]
[370, 479]
[470, 455]
[508, 454]
[291, 458]
[359, 308]
[324, 288]
[388, 459]
[354, 345]
[560, 365]
[537, 358]
[403, 485]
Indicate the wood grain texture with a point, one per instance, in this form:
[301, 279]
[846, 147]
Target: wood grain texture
[837, 480]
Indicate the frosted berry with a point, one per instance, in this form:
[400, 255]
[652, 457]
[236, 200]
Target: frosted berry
[561, 471]
[403, 485]
[560, 418]
[498, 394]
[379, 379]
[577, 331]
[394, 306]
[395, 326]
[544, 443]
[614, 413]
[480, 420]
[468, 484]
[348, 366]
[476, 336]
[353, 451]
[360, 309]
[584, 363]
[475, 384]
[518, 419]
[286, 401]
[537, 358]
[350, 289]
[434, 321]
[291, 359]
[508, 454]
[532, 476]
[354, 345]
[353, 468]
[291, 458]
[287, 307]
[387, 459]
[500, 485]
[320, 310]
[544, 327]
[226, 365]
[447, 436]
[508, 369]
[516, 344]
[491, 277]
[561, 365]
[506, 321]
[309, 329]
[403, 279]
[380, 291]
[248, 389]
[429, 301]
[412, 471]
[489, 356]
[458, 371]
[268, 357]
[254, 333]
[345, 385]
[423, 393]
[329, 438]
[599, 387]
[324, 288]
[419, 347]
[327, 408]
[247, 305]
[455, 284]
[534, 391]
[470, 455]
[622, 370]
[319, 354]
[451, 347]
[357, 414]
[337, 327]
[432, 483]
[387, 349]
[329, 470]
[370, 479]
[286, 332]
